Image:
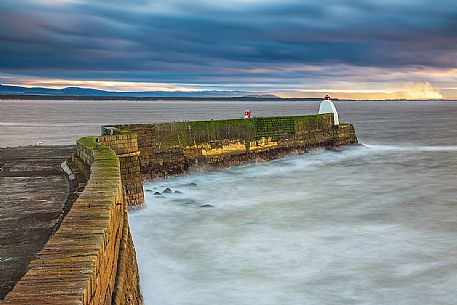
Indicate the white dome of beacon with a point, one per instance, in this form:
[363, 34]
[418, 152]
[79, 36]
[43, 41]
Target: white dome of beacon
[327, 106]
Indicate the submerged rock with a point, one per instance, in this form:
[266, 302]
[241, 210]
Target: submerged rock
[178, 192]
[192, 184]
[207, 206]
[157, 193]
[167, 190]
[148, 190]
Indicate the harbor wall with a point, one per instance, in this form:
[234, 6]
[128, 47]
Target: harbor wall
[125, 145]
[91, 258]
[175, 148]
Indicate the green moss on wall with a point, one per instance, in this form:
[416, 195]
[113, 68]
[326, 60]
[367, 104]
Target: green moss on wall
[89, 142]
[162, 136]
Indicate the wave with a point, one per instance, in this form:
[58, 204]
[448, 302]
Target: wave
[321, 158]
[288, 165]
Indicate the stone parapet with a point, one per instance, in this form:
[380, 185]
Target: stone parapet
[125, 145]
[90, 259]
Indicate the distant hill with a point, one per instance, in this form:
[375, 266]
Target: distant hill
[77, 91]
[267, 96]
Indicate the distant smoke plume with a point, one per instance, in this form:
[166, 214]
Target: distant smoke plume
[409, 91]
[419, 91]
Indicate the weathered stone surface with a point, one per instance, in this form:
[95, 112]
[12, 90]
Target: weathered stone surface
[33, 196]
[174, 148]
[90, 259]
[125, 145]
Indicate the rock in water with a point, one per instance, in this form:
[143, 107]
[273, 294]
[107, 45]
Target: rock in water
[157, 193]
[167, 190]
[178, 192]
[207, 206]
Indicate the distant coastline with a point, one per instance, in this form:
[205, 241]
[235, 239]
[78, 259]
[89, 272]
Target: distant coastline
[76, 93]
[149, 98]
[31, 97]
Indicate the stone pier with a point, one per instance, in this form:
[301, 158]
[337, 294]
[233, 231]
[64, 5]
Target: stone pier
[69, 242]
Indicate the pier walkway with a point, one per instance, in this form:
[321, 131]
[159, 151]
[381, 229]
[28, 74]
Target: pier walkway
[33, 196]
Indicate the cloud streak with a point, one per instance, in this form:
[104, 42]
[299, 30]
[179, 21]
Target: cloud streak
[274, 44]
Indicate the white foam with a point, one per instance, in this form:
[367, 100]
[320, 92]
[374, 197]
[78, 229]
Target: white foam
[329, 227]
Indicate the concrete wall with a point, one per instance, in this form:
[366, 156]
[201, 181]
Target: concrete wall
[91, 258]
[174, 148]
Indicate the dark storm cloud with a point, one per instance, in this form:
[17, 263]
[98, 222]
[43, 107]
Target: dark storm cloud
[205, 42]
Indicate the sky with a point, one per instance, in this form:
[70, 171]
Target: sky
[348, 49]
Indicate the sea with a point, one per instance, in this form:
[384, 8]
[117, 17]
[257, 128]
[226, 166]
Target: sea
[374, 223]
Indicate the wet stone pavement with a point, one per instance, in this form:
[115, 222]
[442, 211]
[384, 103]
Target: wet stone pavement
[33, 196]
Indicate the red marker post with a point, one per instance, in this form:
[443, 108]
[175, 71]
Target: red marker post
[247, 114]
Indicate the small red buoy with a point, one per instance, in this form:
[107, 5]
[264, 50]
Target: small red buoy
[247, 114]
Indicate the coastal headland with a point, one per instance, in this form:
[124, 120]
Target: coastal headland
[87, 255]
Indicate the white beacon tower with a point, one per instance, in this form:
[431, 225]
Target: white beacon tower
[328, 107]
